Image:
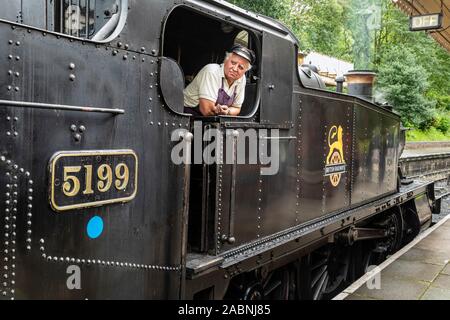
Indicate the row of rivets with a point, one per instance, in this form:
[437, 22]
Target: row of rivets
[9, 232]
[11, 72]
[325, 153]
[299, 163]
[260, 196]
[219, 208]
[103, 262]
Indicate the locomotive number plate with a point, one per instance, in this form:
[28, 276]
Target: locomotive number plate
[92, 178]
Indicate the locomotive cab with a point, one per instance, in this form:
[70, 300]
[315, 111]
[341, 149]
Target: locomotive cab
[193, 40]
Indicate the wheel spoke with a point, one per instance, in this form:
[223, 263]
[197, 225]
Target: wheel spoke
[319, 263]
[274, 285]
[319, 276]
[320, 287]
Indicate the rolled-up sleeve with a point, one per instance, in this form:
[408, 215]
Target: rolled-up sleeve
[208, 85]
[240, 95]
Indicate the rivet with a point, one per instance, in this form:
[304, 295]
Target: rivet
[72, 66]
[10, 42]
[10, 57]
[115, 52]
[77, 137]
[17, 58]
[18, 43]
[82, 128]
[10, 72]
[125, 57]
[72, 77]
[119, 44]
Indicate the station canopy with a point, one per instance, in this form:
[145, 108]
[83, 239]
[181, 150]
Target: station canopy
[424, 7]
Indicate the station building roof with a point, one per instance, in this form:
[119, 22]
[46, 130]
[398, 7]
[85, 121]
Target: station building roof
[422, 7]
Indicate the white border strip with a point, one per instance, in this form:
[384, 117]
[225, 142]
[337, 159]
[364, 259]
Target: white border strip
[365, 278]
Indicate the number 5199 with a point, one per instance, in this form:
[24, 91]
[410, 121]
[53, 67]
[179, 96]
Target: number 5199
[105, 179]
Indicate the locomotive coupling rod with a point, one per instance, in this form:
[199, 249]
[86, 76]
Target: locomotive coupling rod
[355, 234]
[48, 106]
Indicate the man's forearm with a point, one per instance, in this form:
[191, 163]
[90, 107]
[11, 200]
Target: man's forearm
[207, 108]
[234, 111]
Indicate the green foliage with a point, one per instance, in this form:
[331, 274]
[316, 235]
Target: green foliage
[403, 82]
[443, 123]
[431, 134]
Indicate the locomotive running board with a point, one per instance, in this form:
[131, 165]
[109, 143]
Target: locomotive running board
[270, 249]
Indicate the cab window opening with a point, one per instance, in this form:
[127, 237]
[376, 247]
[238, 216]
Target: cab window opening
[95, 20]
[86, 19]
[195, 40]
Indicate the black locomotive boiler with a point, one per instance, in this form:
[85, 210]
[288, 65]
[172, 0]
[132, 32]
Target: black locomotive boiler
[94, 207]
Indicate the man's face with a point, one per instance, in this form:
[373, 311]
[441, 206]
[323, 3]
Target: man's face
[235, 67]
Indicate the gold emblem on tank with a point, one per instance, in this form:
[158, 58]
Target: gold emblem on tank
[335, 162]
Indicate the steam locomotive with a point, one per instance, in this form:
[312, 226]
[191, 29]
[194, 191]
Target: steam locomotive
[93, 205]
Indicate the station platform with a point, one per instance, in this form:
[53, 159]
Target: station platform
[420, 271]
[415, 149]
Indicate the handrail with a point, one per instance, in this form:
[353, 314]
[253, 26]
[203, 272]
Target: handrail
[48, 106]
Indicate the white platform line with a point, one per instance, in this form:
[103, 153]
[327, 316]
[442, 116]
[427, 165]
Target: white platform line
[368, 276]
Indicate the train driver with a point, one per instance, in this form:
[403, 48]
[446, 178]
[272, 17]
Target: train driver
[220, 89]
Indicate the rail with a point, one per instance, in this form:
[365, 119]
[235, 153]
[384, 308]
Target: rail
[48, 106]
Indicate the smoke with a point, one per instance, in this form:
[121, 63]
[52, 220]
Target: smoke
[365, 19]
[380, 96]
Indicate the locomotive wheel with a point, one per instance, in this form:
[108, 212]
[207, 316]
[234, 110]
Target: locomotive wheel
[324, 272]
[394, 225]
[277, 285]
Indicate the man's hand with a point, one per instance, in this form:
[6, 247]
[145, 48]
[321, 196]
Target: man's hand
[223, 110]
[209, 108]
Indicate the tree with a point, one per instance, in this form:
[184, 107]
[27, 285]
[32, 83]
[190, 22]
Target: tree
[403, 82]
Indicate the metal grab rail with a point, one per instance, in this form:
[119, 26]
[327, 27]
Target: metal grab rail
[48, 106]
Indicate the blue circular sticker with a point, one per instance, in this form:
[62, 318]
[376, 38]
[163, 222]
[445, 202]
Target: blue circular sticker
[95, 227]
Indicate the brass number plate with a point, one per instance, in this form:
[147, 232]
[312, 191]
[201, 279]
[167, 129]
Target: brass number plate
[92, 178]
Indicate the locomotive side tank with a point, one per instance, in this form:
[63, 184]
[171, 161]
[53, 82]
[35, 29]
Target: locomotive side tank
[91, 108]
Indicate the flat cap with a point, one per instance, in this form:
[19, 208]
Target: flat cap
[244, 52]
